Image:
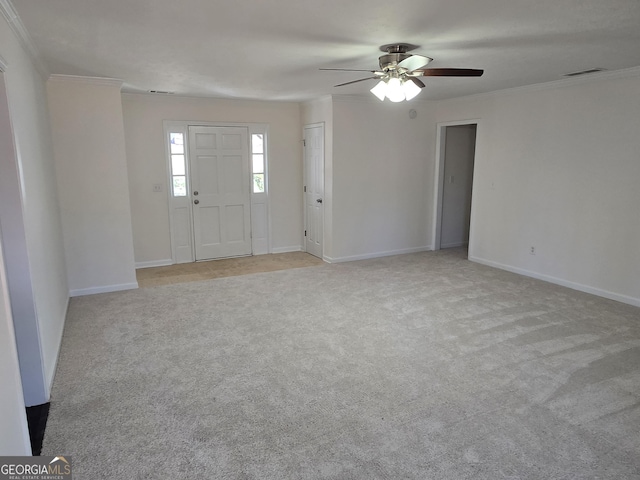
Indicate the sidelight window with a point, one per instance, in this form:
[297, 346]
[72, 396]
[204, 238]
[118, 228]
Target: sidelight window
[178, 166]
[257, 164]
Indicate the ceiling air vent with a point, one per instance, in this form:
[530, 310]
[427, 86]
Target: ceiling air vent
[160, 92]
[584, 72]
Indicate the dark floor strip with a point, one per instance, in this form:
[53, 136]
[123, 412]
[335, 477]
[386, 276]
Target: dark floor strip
[37, 420]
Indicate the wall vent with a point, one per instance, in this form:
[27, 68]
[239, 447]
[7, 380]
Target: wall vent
[584, 72]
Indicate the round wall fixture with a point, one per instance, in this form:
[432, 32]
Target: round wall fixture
[413, 114]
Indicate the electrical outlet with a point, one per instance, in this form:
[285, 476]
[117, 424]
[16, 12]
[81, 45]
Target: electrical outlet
[157, 187]
[532, 251]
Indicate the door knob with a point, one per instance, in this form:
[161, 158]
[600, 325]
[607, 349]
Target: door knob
[196, 201]
[319, 200]
[195, 193]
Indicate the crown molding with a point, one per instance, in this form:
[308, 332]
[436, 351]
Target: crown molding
[18, 28]
[146, 96]
[323, 98]
[565, 82]
[101, 81]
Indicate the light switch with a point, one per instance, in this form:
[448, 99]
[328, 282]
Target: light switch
[451, 179]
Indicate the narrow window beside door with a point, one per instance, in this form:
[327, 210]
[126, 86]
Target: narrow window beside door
[257, 155]
[178, 169]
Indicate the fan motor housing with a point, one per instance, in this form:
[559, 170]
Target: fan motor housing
[392, 59]
[396, 52]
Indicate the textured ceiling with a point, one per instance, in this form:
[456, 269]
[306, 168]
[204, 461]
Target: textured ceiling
[272, 49]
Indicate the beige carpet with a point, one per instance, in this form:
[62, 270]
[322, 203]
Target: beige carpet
[421, 366]
[227, 267]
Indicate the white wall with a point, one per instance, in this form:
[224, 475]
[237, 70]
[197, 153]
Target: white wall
[88, 139]
[557, 168]
[143, 116]
[14, 433]
[382, 178]
[41, 312]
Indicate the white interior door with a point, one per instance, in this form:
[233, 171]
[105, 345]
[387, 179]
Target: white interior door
[219, 160]
[313, 187]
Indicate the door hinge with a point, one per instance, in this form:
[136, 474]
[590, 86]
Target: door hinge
[305, 233]
[305, 189]
[304, 143]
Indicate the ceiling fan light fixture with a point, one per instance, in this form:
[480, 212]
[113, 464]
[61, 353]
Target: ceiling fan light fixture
[380, 90]
[411, 90]
[399, 71]
[395, 92]
[396, 89]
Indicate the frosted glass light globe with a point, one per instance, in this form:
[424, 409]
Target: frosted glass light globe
[380, 90]
[395, 92]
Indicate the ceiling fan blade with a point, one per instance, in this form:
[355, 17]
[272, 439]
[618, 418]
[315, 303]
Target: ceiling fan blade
[417, 81]
[414, 62]
[448, 72]
[346, 70]
[356, 81]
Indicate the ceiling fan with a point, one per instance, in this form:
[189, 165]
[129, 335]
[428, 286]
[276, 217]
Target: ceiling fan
[399, 72]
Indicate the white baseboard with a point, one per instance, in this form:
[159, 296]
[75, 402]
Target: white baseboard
[367, 256]
[293, 248]
[106, 289]
[154, 263]
[559, 281]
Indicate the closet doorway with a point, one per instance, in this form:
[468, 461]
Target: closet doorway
[454, 184]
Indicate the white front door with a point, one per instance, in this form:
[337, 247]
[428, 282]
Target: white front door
[219, 160]
[313, 187]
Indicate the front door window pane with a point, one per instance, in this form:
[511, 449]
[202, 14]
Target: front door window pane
[176, 139]
[258, 183]
[258, 164]
[257, 143]
[177, 164]
[179, 186]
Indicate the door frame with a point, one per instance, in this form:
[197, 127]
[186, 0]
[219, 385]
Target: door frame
[258, 245]
[19, 282]
[304, 176]
[438, 187]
